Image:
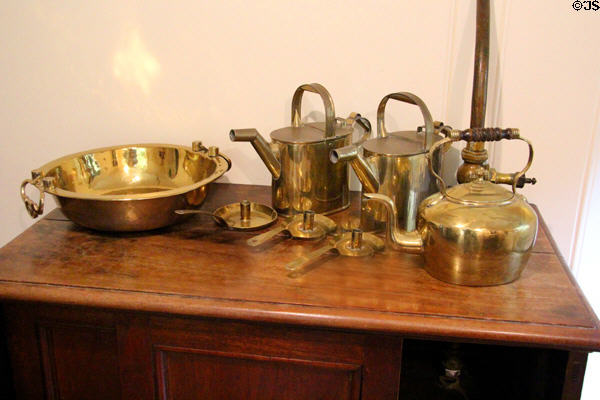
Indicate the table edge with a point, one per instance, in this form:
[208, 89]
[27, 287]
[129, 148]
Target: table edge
[408, 325]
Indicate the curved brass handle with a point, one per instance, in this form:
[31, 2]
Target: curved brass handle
[34, 209]
[409, 98]
[327, 101]
[479, 135]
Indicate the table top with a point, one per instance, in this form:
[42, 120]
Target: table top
[198, 269]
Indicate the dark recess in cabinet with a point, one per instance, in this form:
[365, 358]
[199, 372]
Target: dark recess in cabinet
[487, 372]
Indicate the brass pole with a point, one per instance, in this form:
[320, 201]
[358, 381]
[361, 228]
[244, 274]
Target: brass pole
[474, 154]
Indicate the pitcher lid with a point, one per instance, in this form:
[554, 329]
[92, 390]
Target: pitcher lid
[311, 132]
[401, 143]
[480, 192]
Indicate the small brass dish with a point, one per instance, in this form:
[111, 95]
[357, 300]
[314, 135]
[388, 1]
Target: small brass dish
[133, 187]
[246, 215]
[350, 244]
[307, 225]
[242, 216]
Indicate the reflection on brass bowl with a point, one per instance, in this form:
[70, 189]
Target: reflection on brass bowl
[128, 188]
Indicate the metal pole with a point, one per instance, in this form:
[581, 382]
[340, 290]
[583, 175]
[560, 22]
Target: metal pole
[474, 154]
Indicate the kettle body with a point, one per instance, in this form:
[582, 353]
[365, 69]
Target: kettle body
[474, 234]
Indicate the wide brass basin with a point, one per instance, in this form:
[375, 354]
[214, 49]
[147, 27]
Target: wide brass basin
[128, 188]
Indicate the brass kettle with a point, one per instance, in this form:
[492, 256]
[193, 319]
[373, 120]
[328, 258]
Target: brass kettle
[298, 157]
[474, 234]
[394, 164]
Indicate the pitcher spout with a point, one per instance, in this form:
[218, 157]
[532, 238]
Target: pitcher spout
[261, 146]
[407, 242]
[361, 167]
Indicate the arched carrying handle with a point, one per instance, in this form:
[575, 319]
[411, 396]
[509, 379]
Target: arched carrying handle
[409, 98]
[327, 101]
[479, 135]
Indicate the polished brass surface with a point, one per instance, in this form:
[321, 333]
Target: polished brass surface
[409, 98]
[310, 226]
[245, 210]
[242, 216]
[34, 209]
[247, 215]
[471, 171]
[307, 225]
[356, 242]
[349, 222]
[474, 234]
[359, 244]
[308, 220]
[509, 179]
[220, 221]
[298, 158]
[267, 152]
[366, 174]
[350, 244]
[128, 188]
[394, 164]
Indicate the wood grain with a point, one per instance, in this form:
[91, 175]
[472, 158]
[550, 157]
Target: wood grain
[197, 268]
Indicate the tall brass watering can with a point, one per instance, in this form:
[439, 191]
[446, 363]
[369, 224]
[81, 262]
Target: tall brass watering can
[298, 157]
[394, 164]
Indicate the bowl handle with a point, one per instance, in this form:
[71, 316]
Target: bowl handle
[34, 209]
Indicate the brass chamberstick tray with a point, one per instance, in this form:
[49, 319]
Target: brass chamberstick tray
[246, 215]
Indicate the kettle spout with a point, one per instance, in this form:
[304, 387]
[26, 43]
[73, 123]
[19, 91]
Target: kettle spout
[361, 167]
[407, 242]
[261, 146]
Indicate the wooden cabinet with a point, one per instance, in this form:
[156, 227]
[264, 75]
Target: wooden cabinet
[190, 312]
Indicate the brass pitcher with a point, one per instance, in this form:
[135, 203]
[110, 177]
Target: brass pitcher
[298, 157]
[394, 164]
[476, 233]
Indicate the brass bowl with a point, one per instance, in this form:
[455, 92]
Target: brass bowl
[133, 187]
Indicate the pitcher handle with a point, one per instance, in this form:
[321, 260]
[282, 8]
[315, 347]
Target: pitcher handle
[409, 98]
[479, 135]
[327, 101]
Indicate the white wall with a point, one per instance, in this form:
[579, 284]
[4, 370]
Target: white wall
[77, 75]
[587, 252]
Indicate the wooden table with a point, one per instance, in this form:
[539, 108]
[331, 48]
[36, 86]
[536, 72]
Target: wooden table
[191, 311]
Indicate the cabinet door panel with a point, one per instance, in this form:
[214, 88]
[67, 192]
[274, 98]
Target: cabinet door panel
[208, 359]
[194, 374]
[62, 353]
[80, 362]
